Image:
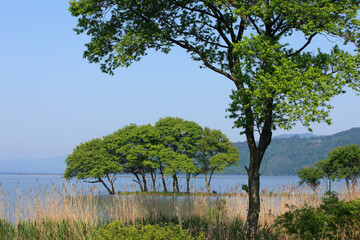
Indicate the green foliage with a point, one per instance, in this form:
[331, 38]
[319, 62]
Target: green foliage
[311, 176]
[334, 219]
[117, 230]
[181, 137]
[46, 229]
[215, 153]
[345, 162]
[92, 160]
[171, 146]
[327, 171]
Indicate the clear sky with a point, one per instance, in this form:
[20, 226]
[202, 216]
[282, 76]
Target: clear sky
[51, 99]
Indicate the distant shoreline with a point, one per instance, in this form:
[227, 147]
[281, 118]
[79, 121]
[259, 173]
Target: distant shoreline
[218, 175]
[32, 174]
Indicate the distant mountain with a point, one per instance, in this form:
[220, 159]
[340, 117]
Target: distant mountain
[39, 166]
[287, 155]
[302, 135]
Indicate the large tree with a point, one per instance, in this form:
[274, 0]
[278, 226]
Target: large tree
[277, 84]
[92, 162]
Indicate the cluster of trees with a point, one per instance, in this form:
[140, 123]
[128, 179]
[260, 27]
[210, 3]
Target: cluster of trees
[170, 147]
[342, 163]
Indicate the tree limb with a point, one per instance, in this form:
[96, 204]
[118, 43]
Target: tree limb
[304, 46]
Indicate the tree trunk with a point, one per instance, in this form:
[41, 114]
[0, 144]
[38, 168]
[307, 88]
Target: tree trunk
[177, 184]
[353, 184]
[112, 184]
[174, 183]
[144, 181]
[254, 202]
[347, 181]
[163, 178]
[206, 182]
[210, 177]
[138, 181]
[188, 182]
[106, 186]
[153, 178]
[256, 155]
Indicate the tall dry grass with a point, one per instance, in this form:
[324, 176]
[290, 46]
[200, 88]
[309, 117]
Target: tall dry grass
[77, 205]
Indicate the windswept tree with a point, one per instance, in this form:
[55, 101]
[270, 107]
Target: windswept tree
[310, 176]
[345, 162]
[92, 162]
[215, 153]
[277, 83]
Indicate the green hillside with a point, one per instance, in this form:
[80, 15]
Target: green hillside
[285, 156]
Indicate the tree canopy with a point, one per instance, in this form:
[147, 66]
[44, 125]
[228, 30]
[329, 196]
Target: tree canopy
[310, 176]
[91, 160]
[277, 83]
[215, 153]
[345, 164]
[170, 147]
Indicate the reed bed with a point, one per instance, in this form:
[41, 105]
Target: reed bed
[85, 209]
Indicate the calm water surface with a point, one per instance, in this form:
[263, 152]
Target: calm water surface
[22, 188]
[12, 184]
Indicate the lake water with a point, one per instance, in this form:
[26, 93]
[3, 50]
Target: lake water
[18, 193]
[12, 184]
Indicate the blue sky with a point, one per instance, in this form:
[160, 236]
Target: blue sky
[51, 99]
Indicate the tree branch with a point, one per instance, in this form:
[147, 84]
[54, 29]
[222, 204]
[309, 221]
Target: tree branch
[191, 48]
[255, 26]
[194, 9]
[241, 29]
[304, 46]
[97, 181]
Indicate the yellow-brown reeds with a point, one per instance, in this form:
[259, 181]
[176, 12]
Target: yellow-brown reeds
[73, 203]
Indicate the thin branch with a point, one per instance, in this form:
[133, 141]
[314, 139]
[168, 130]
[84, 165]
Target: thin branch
[278, 26]
[304, 46]
[194, 9]
[241, 29]
[97, 181]
[220, 18]
[255, 26]
[136, 181]
[203, 58]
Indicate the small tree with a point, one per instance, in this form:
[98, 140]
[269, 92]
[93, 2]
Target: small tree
[138, 150]
[215, 153]
[346, 164]
[327, 172]
[181, 137]
[310, 176]
[91, 160]
[134, 146]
